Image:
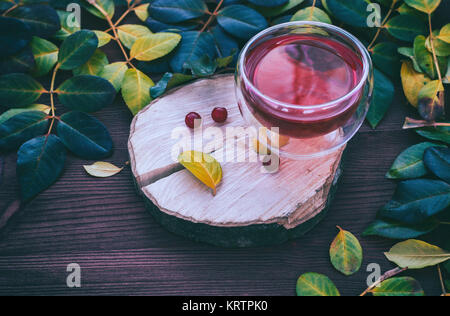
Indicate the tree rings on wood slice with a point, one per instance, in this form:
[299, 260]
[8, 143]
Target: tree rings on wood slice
[250, 208]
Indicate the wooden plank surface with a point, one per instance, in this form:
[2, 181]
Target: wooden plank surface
[102, 225]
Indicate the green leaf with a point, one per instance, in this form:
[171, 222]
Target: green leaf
[383, 95]
[416, 254]
[396, 230]
[154, 46]
[417, 200]
[425, 58]
[203, 67]
[441, 133]
[77, 49]
[406, 27]
[314, 284]
[14, 36]
[45, 55]
[129, 33]
[167, 82]
[312, 14]
[194, 45]
[21, 128]
[12, 112]
[276, 11]
[437, 160]
[102, 169]
[346, 253]
[176, 11]
[268, 3]
[66, 30]
[431, 101]
[42, 19]
[19, 90]
[409, 164]
[136, 90]
[142, 11]
[106, 5]
[103, 38]
[115, 73]
[86, 93]
[409, 52]
[94, 66]
[351, 12]
[412, 82]
[241, 21]
[22, 62]
[403, 286]
[426, 6]
[84, 135]
[406, 9]
[40, 162]
[385, 57]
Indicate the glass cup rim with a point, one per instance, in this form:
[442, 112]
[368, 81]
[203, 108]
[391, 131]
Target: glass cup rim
[364, 53]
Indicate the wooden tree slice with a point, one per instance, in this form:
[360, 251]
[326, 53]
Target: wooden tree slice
[251, 208]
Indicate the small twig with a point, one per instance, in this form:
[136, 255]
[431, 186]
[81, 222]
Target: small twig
[441, 279]
[10, 9]
[412, 123]
[212, 16]
[114, 29]
[52, 98]
[382, 25]
[383, 278]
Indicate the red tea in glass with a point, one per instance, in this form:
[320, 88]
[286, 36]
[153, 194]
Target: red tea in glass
[308, 79]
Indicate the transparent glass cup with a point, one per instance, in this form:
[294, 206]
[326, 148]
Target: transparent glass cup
[312, 130]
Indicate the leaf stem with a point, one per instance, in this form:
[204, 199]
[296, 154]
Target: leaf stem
[382, 25]
[412, 123]
[441, 279]
[114, 29]
[10, 9]
[383, 278]
[433, 49]
[52, 98]
[212, 17]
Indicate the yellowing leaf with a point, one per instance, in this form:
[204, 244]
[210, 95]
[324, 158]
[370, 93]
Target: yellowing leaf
[314, 284]
[412, 82]
[129, 33]
[142, 12]
[427, 6]
[103, 38]
[346, 253]
[154, 46]
[114, 73]
[204, 167]
[444, 34]
[416, 254]
[136, 90]
[102, 169]
[404, 286]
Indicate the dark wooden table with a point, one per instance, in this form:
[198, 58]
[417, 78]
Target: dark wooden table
[102, 225]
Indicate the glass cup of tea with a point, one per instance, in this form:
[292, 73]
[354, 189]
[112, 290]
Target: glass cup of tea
[309, 84]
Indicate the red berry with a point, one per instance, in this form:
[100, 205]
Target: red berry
[219, 115]
[190, 119]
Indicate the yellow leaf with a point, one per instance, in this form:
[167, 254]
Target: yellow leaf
[142, 11]
[102, 169]
[129, 33]
[103, 38]
[412, 82]
[154, 46]
[204, 167]
[136, 90]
